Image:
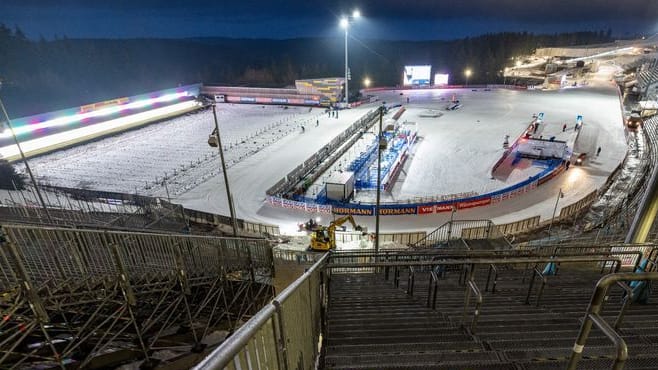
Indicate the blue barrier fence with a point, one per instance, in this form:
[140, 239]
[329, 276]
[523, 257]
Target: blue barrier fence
[554, 168]
[361, 164]
[396, 148]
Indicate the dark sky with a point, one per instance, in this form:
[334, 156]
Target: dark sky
[383, 19]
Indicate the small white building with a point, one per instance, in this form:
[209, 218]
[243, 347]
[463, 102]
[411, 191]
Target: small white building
[340, 186]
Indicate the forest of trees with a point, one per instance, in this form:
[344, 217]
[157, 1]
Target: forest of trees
[40, 76]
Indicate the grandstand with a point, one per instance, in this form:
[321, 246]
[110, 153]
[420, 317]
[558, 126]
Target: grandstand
[647, 80]
[313, 92]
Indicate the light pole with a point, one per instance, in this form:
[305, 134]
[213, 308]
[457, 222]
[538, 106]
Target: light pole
[560, 194]
[381, 145]
[345, 24]
[27, 166]
[467, 73]
[234, 224]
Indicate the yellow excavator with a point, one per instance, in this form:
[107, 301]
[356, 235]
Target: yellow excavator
[324, 238]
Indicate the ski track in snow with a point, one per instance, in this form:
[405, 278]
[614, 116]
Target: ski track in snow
[263, 144]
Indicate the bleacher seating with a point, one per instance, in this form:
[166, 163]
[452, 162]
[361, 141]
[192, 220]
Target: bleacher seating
[647, 75]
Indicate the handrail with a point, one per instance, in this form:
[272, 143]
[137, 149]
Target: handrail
[471, 288]
[431, 294]
[627, 302]
[476, 261]
[536, 272]
[617, 340]
[492, 267]
[592, 317]
[608, 251]
[410, 281]
[222, 356]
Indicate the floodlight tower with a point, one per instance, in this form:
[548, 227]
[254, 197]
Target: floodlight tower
[345, 24]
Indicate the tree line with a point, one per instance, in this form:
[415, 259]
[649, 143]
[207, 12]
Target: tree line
[44, 75]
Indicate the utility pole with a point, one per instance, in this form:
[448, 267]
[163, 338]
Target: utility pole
[27, 166]
[380, 145]
[234, 223]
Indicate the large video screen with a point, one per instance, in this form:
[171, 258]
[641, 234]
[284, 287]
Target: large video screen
[441, 79]
[416, 75]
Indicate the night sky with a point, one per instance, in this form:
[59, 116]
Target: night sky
[382, 19]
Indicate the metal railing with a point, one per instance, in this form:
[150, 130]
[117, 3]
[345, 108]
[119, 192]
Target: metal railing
[283, 335]
[451, 230]
[52, 255]
[494, 269]
[471, 288]
[536, 273]
[592, 317]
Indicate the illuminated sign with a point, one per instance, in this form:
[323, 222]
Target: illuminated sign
[416, 75]
[441, 79]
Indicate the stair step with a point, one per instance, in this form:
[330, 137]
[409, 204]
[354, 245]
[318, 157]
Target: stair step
[415, 347]
[473, 365]
[456, 336]
[442, 357]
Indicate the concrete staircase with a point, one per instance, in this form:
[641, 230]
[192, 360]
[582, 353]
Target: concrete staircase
[371, 324]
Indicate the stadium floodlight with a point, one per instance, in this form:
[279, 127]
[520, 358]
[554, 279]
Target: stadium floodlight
[76, 134]
[345, 24]
[467, 73]
[103, 112]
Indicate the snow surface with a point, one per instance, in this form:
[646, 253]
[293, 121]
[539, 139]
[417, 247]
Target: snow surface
[263, 144]
[174, 150]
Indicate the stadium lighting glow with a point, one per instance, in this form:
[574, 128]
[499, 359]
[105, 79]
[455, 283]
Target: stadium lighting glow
[344, 23]
[366, 82]
[356, 13]
[80, 134]
[467, 73]
[67, 120]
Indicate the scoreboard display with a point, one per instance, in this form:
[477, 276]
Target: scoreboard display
[416, 75]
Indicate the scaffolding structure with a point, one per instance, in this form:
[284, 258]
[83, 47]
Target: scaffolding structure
[93, 299]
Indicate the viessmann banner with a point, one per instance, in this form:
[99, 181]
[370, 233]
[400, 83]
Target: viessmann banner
[410, 209]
